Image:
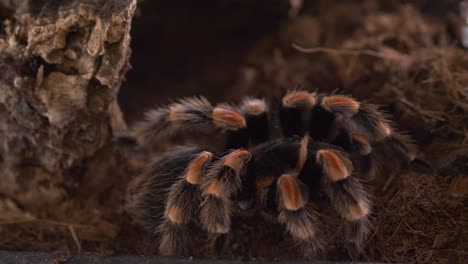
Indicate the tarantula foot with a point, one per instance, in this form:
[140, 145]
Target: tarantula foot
[175, 239]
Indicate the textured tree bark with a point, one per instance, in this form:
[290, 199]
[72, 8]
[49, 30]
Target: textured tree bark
[61, 66]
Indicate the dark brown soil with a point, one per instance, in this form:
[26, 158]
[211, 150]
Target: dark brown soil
[405, 56]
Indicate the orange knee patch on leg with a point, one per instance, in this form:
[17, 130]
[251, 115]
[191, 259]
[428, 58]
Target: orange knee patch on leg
[290, 192]
[228, 118]
[175, 215]
[216, 188]
[341, 104]
[253, 107]
[332, 164]
[196, 167]
[300, 99]
[364, 145]
[236, 159]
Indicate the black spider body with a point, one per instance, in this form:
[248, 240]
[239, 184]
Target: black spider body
[328, 144]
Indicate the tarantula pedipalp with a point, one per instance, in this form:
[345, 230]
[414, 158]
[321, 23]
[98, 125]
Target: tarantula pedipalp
[328, 145]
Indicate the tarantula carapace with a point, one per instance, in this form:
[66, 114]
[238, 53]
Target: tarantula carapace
[327, 144]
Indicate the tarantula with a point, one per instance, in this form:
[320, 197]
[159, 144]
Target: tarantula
[328, 144]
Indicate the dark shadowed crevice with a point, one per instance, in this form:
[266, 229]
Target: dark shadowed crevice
[182, 49]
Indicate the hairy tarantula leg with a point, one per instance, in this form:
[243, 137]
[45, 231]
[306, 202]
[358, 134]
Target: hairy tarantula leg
[261, 174]
[361, 144]
[222, 181]
[402, 145]
[347, 194]
[183, 200]
[327, 121]
[298, 218]
[292, 200]
[237, 135]
[188, 113]
[368, 121]
[293, 111]
[256, 115]
[366, 158]
[147, 193]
